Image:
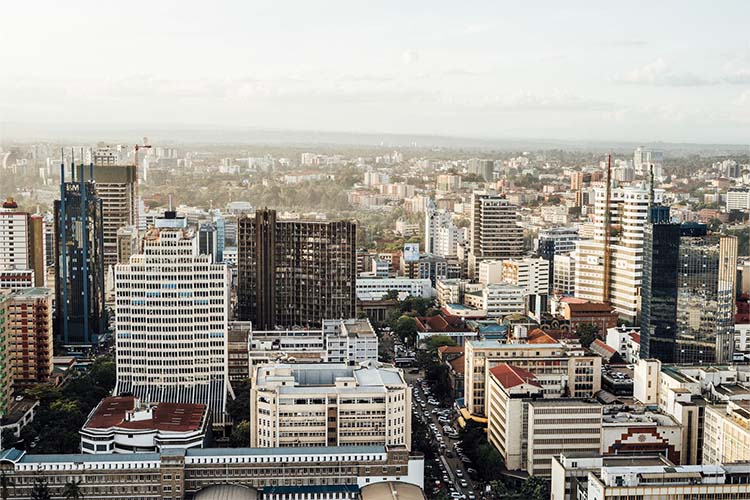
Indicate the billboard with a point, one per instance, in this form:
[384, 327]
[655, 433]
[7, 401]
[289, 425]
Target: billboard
[411, 252]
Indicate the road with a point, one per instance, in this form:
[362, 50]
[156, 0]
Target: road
[452, 464]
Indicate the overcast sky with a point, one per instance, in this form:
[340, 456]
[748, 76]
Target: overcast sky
[628, 71]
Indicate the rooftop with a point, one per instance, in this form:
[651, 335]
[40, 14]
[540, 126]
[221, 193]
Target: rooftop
[511, 376]
[122, 412]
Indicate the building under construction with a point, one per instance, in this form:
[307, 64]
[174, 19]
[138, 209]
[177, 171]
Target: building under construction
[294, 272]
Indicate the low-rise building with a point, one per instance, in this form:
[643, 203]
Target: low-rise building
[727, 433]
[378, 288]
[626, 341]
[329, 404]
[123, 425]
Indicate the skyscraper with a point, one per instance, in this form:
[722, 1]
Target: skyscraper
[79, 256]
[22, 247]
[495, 233]
[706, 282]
[172, 309]
[29, 331]
[116, 186]
[619, 280]
[295, 272]
[659, 290]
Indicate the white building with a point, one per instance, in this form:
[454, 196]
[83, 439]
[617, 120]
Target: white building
[498, 301]
[16, 268]
[738, 199]
[329, 404]
[124, 425]
[628, 216]
[491, 272]
[532, 274]
[377, 288]
[171, 309]
[627, 342]
[563, 274]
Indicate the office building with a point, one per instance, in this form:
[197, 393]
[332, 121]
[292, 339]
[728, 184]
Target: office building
[531, 274]
[645, 159]
[559, 368]
[79, 257]
[482, 168]
[6, 375]
[117, 188]
[738, 199]
[22, 248]
[528, 430]
[495, 233]
[659, 291]
[649, 477]
[29, 333]
[295, 272]
[329, 404]
[208, 243]
[441, 236]
[127, 243]
[125, 425]
[346, 473]
[378, 288]
[349, 341]
[497, 301]
[706, 283]
[727, 433]
[609, 267]
[564, 274]
[172, 309]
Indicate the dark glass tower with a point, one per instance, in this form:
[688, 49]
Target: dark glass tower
[661, 250]
[79, 261]
[295, 272]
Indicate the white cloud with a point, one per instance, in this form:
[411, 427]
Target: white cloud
[660, 73]
[409, 57]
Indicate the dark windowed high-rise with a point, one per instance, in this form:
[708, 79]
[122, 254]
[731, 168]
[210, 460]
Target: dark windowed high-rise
[661, 250]
[79, 261]
[294, 272]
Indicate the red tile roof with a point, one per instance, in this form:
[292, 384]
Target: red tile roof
[636, 337]
[510, 376]
[459, 364]
[175, 417]
[440, 323]
[599, 343]
[539, 336]
[450, 349]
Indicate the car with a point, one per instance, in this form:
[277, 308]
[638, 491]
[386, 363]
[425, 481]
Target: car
[471, 472]
[456, 494]
[472, 496]
[449, 453]
[445, 479]
[19, 398]
[465, 460]
[464, 483]
[459, 473]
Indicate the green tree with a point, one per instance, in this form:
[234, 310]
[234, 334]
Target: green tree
[406, 329]
[436, 341]
[72, 490]
[239, 407]
[40, 491]
[103, 373]
[535, 488]
[240, 436]
[391, 295]
[587, 333]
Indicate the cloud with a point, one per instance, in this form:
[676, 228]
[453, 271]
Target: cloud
[476, 29]
[659, 73]
[626, 43]
[556, 100]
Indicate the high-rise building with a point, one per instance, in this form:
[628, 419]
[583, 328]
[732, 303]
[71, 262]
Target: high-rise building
[706, 281]
[22, 248]
[329, 404]
[116, 186]
[29, 332]
[495, 233]
[644, 159]
[564, 274]
[6, 374]
[208, 243]
[659, 290]
[295, 272]
[79, 261]
[172, 310]
[614, 274]
[482, 168]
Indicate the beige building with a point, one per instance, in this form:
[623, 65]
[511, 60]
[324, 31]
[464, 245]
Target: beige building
[727, 433]
[527, 430]
[561, 369]
[30, 342]
[329, 404]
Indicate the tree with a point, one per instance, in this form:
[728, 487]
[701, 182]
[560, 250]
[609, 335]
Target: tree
[436, 341]
[535, 488]
[406, 329]
[587, 333]
[72, 490]
[391, 295]
[240, 436]
[40, 491]
[239, 407]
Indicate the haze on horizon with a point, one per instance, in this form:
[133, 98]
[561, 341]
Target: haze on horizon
[634, 71]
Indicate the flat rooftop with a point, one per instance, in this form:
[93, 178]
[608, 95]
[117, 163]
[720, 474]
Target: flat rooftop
[173, 417]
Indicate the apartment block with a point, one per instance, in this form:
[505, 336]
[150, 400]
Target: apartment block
[727, 433]
[494, 230]
[329, 404]
[6, 375]
[29, 332]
